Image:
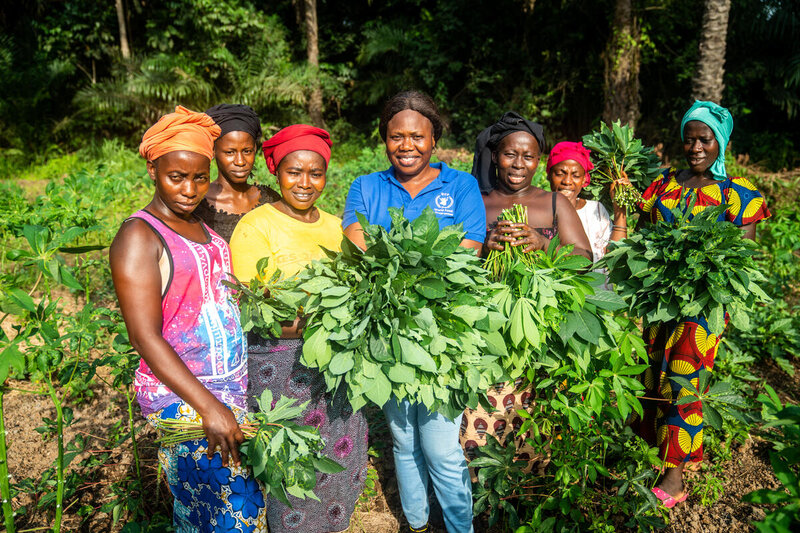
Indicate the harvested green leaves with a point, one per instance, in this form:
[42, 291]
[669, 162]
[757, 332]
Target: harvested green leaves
[284, 455]
[265, 303]
[615, 150]
[565, 338]
[407, 318]
[694, 267]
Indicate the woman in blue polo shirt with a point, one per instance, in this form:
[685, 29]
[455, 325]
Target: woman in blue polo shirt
[426, 446]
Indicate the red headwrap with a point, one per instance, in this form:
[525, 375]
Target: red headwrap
[293, 138]
[575, 151]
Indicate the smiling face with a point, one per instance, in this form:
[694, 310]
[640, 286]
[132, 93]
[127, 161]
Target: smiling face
[301, 176]
[567, 177]
[409, 142]
[699, 146]
[181, 179]
[235, 153]
[516, 158]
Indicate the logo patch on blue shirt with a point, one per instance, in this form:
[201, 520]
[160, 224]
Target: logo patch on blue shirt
[443, 204]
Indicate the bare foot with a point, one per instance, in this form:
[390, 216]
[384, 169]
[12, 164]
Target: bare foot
[672, 482]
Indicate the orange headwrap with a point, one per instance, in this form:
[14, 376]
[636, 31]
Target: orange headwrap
[181, 130]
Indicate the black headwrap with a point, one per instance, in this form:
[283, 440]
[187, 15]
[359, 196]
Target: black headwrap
[483, 168]
[236, 117]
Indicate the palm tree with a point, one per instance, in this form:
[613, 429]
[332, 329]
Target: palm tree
[707, 82]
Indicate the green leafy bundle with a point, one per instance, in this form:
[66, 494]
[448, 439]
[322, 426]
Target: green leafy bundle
[693, 267]
[284, 455]
[539, 291]
[265, 303]
[407, 318]
[615, 150]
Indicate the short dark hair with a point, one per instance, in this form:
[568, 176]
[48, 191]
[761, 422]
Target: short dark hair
[416, 101]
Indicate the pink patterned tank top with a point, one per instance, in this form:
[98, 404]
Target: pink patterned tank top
[200, 320]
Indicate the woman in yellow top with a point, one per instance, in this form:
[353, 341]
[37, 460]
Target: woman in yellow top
[292, 232]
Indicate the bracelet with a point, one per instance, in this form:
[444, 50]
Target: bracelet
[614, 226]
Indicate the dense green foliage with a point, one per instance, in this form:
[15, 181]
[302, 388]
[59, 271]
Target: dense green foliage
[616, 151]
[697, 266]
[64, 83]
[580, 359]
[405, 318]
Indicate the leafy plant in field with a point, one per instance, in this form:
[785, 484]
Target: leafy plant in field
[284, 455]
[785, 459]
[774, 334]
[615, 150]
[406, 318]
[695, 267]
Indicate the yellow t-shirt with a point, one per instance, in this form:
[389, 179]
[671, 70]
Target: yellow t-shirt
[289, 243]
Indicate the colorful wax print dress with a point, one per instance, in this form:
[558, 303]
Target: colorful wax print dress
[201, 323]
[682, 349]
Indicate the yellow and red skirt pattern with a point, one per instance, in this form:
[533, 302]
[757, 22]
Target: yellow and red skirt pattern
[745, 204]
[682, 351]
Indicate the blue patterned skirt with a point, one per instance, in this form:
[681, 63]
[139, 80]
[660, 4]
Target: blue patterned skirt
[208, 496]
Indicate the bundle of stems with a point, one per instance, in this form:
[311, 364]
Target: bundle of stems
[175, 431]
[500, 262]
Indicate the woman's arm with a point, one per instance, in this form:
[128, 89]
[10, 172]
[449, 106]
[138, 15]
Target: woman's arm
[355, 233]
[137, 280]
[570, 229]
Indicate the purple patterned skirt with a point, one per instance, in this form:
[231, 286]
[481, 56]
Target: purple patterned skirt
[275, 364]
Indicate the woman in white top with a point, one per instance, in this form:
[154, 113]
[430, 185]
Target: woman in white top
[568, 169]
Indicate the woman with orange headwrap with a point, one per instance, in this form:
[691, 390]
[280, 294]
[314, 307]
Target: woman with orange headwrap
[292, 233]
[169, 271]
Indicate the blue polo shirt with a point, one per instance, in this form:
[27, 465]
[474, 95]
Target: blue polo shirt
[454, 197]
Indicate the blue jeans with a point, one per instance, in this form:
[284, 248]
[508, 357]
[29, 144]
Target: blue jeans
[426, 448]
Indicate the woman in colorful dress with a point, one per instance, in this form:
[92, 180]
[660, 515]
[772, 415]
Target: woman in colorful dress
[425, 445]
[568, 167]
[168, 269]
[291, 232]
[683, 349]
[230, 196]
[506, 158]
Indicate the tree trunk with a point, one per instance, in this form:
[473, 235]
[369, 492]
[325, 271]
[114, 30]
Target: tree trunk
[124, 45]
[707, 82]
[622, 59]
[312, 48]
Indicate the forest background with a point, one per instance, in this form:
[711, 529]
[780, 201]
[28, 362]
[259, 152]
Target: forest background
[76, 72]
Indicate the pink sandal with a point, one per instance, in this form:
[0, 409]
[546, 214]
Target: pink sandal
[668, 501]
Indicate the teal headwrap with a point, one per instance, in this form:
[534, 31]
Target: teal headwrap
[720, 121]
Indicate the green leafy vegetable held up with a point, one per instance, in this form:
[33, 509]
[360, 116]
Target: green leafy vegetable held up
[539, 289]
[615, 150]
[409, 318]
[284, 455]
[695, 267]
[499, 262]
[265, 303]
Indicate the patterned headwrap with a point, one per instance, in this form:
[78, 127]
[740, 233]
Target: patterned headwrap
[236, 117]
[181, 130]
[293, 138]
[720, 121]
[483, 168]
[565, 150]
